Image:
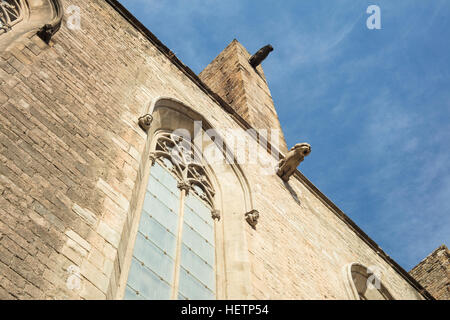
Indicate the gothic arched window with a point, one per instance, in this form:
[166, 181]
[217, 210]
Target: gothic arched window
[366, 284]
[11, 13]
[174, 251]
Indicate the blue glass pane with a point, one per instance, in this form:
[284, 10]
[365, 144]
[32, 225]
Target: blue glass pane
[201, 226]
[157, 234]
[150, 286]
[153, 258]
[160, 191]
[181, 297]
[198, 244]
[151, 272]
[197, 276]
[159, 211]
[193, 289]
[159, 173]
[198, 267]
[199, 208]
[152, 267]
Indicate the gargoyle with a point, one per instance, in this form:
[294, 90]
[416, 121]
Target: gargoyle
[145, 122]
[260, 56]
[295, 156]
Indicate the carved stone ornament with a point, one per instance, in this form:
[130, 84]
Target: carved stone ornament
[252, 218]
[215, 215]
[295, 156]
[145, 122]
[152, 158]
[260, 56]
[178, 155]
[184, 186]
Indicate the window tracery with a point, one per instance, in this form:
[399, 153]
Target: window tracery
[179, 156]
[365, 284]
[11, 13]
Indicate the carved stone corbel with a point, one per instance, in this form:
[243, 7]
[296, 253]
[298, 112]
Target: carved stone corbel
[145, 122]
[215, 215]
[288, 165]
[184, 186]
[48, 30]
[19, 18]
[252, 218]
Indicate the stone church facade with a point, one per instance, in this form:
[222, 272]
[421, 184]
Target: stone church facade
[107, 190]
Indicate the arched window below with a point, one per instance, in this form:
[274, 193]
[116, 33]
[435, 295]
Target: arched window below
[365, 284]
[174, 251]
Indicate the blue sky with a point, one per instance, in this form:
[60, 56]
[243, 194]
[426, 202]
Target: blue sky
[374, 104]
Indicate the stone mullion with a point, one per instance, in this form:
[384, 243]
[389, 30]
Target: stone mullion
[176, 277]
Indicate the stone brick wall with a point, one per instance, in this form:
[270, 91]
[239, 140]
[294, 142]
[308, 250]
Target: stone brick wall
[70, 153]
[434, 273]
